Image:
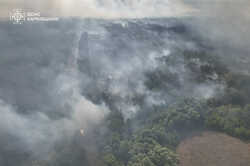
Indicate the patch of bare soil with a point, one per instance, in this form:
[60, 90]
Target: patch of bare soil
[213, 149]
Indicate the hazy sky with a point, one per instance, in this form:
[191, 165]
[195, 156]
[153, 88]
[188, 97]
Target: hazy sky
[99, 8]
[124, 8]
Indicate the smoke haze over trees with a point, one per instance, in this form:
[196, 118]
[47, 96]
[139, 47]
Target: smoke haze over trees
[125, 88]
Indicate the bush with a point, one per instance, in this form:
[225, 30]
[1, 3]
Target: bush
[233, 120]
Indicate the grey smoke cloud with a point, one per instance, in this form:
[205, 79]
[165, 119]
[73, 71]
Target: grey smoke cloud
[120, 56]
[40, 97]
[32, 132]
[225, 24]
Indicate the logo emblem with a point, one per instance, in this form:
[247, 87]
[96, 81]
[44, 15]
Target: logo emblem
[17, 16]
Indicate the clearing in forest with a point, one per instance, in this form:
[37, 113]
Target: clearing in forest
[213, 149]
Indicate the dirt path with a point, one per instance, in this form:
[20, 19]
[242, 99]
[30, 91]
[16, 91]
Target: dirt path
[213, 149]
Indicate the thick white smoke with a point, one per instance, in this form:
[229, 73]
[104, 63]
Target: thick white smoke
[41, 103]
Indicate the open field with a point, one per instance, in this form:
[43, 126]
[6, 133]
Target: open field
[213, 149]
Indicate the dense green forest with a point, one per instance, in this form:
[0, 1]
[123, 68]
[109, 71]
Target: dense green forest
[164, 127]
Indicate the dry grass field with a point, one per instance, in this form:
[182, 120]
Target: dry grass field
[213, 149]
